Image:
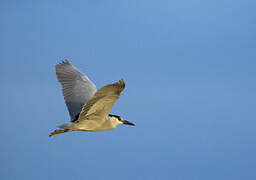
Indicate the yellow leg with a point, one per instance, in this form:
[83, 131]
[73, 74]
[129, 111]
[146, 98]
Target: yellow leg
[59, 131]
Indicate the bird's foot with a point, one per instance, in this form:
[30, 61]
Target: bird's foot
[59, 131]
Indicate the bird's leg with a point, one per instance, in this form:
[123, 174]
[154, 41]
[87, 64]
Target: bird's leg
[59, 131]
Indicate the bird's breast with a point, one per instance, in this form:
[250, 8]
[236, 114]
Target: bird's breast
[94, 125]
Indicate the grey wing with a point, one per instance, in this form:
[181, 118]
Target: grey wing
[77, 88]
[100, 105]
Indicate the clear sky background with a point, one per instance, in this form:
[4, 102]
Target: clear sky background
[189, 67]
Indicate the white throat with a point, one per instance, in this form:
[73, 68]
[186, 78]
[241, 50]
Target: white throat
[115, 122]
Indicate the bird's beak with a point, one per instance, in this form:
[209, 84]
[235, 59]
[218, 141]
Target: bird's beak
[128, 123]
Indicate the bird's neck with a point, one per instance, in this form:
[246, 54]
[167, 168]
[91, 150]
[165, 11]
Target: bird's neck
[115, 122]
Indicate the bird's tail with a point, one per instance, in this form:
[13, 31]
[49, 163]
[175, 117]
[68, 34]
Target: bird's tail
[66, 126]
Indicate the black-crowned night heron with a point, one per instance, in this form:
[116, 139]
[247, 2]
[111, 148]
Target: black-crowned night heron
[88, 108]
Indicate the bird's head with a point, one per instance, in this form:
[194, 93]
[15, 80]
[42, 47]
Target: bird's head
[118, 120]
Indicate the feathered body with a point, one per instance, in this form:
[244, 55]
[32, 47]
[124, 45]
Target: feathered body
[89, 109]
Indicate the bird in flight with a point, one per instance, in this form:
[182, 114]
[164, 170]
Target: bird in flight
[88, 108]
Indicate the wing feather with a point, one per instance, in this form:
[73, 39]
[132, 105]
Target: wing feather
[77, 88]
[102, 101]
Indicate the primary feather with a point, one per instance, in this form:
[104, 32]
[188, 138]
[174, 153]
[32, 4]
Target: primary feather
[77, 88]
[99, 106]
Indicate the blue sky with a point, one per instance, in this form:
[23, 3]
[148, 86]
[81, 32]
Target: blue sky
[189, 67]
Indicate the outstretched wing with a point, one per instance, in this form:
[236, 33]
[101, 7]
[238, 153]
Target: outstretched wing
[77, 88]
[100, 105]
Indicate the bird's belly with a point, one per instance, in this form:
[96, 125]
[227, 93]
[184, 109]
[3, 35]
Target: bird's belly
[94, 126]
